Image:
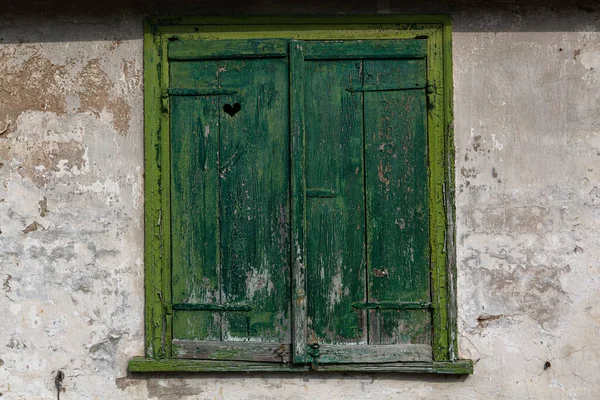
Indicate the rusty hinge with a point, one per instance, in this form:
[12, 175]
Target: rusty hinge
[314, 353]
[282, 352]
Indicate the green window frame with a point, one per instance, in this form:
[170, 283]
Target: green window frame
[206, 38]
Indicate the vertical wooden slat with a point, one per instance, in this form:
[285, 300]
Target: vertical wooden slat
[441, 197]
[396, 176]
[165, 215]
[154, 243]
[298, 210]
[194, 204]
[442, 41]
[254, 209]
[335, 231]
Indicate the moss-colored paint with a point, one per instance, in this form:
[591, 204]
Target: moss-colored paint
[145, 365]
[159, 32]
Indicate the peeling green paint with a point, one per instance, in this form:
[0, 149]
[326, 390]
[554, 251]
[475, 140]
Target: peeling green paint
[146, 365]
[437, 32]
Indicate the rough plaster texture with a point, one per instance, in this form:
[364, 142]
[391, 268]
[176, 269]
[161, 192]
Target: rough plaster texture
[527, 106]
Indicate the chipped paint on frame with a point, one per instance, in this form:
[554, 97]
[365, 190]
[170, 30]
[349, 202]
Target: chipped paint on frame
[436, 29]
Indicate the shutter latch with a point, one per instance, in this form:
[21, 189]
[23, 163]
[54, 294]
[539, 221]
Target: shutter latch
[314, 353]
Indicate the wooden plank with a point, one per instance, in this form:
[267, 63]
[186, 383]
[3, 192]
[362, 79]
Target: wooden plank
[403, 75]
[373, 354]
[320, 193]
[201, 91]
[165, 215]
[441, 195]
[211, 307]
[298, 202]
[254, 208]
[334, 225]
[397, 203]
[194, 202]
[226, 49]
[391, 305]
[154, 240]
[391, 327]
[388, 88]
[441, 67]
[146, 365]
[365, 49]
[233, 351]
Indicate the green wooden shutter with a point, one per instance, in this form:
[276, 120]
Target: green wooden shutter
[363, 288]
[230, 200]
[324, 238]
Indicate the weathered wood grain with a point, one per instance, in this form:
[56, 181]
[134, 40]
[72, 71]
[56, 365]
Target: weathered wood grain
[367, 151]
[397, 209]
[359, 164]
[298, 184]
[227, 49]
[158, 121]
[230, 196]
[233, 351]
[334, 225]
[365, 49]
[373, 354]
[254, 203]
[142, 365]
[194, 204]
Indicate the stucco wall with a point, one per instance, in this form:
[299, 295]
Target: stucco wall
[527, 126]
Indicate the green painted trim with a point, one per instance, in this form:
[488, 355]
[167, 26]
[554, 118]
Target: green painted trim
[436, 29]
[155, 315]
[165, 182]
[301, 32]
[145, 365]
[450, 192]
[437, 208]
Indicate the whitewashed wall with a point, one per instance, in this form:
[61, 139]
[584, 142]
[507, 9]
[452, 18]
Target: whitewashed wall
[527, 108]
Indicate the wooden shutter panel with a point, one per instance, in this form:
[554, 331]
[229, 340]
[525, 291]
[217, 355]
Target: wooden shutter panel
[366, 271]
[230, 201]
[353, 188]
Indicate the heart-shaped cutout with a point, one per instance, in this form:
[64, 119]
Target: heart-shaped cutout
[232, 110]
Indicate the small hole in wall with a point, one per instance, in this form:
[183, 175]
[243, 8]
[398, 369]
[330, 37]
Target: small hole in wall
[547, 365]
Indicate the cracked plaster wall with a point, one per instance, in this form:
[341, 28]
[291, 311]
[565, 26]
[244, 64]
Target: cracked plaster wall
[527, 84]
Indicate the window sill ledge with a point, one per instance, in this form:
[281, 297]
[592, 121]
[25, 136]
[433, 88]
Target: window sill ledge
[141, 364]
